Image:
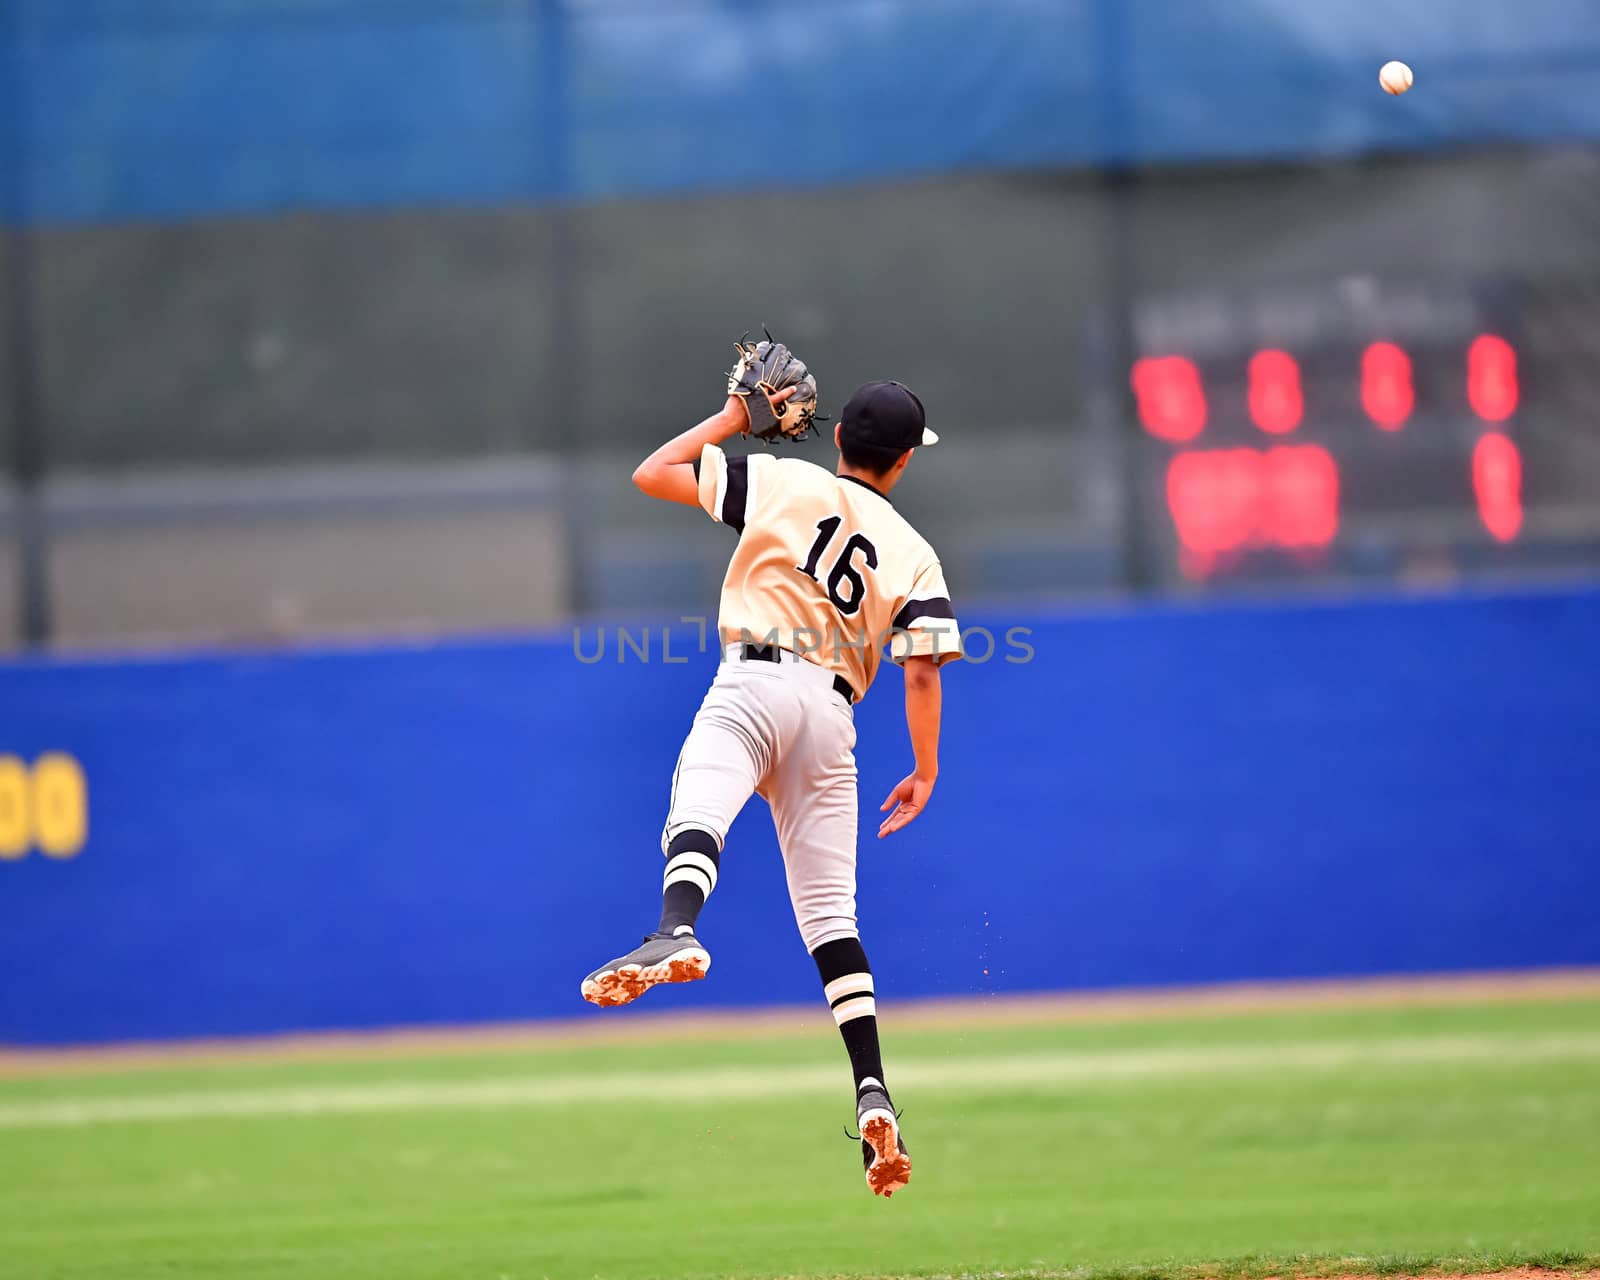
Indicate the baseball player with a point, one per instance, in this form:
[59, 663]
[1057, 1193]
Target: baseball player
[825, 574]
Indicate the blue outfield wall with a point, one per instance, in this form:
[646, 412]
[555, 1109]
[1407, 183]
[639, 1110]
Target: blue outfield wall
[1171, 795]
[182, 108]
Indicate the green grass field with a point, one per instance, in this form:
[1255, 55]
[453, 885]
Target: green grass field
[1469, 1134]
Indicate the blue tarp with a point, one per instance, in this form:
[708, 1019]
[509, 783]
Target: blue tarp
[181, 108]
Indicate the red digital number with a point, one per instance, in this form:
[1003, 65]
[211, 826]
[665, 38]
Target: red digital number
[1492, 387]
[1172, 401]
[1213, 496]
[1387, 393]
[1276, 401]
[1497, 482]
[1300, 497]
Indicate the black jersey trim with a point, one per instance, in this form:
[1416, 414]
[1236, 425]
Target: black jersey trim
[935, 607]
[874, 488]
[733, 498]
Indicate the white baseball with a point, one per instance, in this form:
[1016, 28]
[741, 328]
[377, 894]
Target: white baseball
[1395, 78]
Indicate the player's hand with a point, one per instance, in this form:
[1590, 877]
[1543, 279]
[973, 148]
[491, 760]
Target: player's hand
[738, 413]
[907, 800]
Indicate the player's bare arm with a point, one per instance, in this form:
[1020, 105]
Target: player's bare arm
[668, 473]
[924, 703]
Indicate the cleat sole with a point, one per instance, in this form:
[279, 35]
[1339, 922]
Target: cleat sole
[891, 1167]
[627, 983]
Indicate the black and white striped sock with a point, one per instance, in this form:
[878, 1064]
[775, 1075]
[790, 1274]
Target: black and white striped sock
[847, 984]
[690, 877]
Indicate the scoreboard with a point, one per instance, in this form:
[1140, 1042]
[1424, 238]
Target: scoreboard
[1276, 418]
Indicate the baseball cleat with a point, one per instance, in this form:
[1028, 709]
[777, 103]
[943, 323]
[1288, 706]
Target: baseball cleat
[663, 957]
[883, 1150]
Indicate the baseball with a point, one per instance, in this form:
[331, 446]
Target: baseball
[1395, 78]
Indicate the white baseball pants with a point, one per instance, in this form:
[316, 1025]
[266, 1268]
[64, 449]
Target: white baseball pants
[781, 730]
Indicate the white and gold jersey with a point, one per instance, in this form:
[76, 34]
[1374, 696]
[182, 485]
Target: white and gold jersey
[825, 567]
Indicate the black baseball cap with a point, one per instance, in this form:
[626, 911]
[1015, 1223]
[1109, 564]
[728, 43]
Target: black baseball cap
[887, 415]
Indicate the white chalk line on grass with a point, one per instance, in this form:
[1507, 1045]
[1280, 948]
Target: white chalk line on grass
[677, 1082]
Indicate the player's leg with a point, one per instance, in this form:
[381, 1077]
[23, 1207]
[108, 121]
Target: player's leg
[723, 758]
[848, 987]
[813, 798]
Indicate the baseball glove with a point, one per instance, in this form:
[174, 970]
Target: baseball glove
[764, 369]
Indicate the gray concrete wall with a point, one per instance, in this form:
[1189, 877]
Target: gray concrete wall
[286, 555]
